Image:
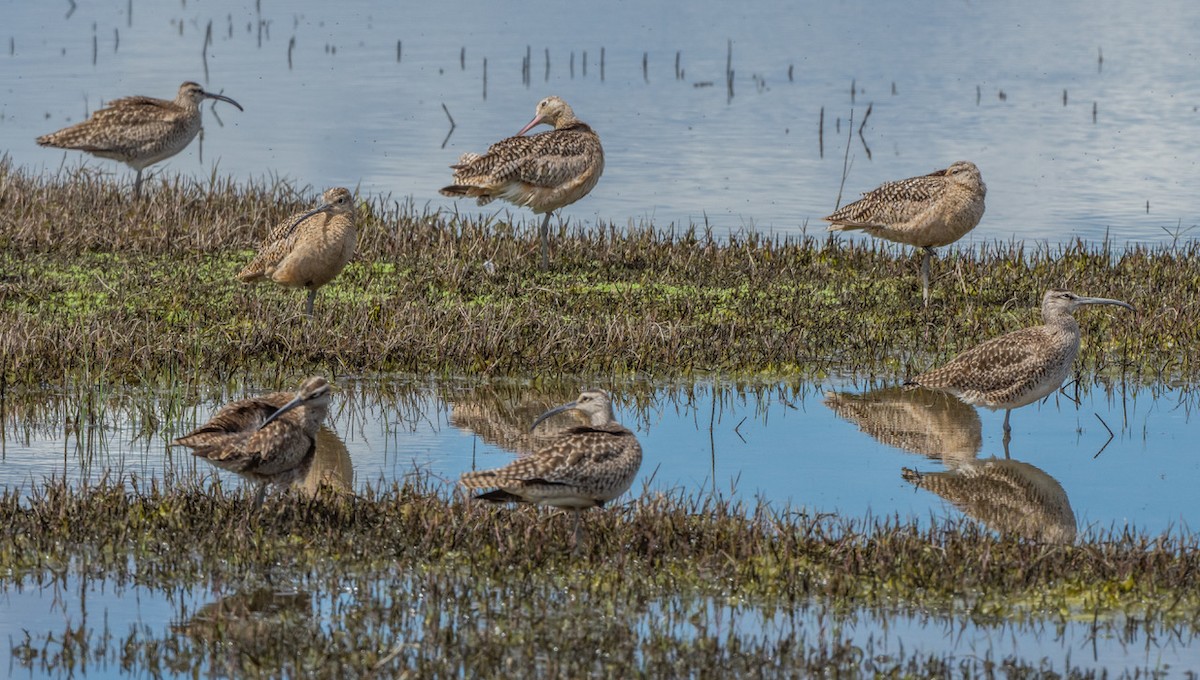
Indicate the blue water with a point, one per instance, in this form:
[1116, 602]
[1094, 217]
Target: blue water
[780, 443]
[348, 113]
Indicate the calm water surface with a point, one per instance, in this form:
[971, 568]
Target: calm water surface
[1081, 115]
[829, 448]
[833, 448]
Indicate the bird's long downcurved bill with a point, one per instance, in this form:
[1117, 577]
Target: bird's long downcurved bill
[537, 120]
[292, 229]
[1106, 301]
[551, 413]
[282, 410]
[223, 98]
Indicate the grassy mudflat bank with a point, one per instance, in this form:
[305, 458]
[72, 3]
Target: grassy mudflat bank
[404, 579]
[94, 284]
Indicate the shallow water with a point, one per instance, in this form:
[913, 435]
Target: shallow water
[826, 448]
[1117, 159]
[112, 626]
[783, 443]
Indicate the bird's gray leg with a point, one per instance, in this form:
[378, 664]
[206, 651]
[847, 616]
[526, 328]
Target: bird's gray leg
[312, 296]
[925, 274]
[258, 498]
[1007, 431]
[137, 186]
[545, 232]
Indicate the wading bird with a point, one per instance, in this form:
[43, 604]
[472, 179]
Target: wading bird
[307, 250]
[138, 131]
[543, 172]
[582, 467]
[269, 439]
[1020, 367]
[927, 212]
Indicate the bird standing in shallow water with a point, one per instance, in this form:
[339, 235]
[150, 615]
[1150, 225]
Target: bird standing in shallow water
[580, 468]
[269, 439]
[307, 250]
[928, 211]
[543, 172]
[138, 131]
[1020, 367]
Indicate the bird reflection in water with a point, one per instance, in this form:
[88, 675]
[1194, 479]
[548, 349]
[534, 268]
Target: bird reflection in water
[1008, 496]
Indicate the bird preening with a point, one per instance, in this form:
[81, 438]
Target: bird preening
[269, 439]
[543, 172]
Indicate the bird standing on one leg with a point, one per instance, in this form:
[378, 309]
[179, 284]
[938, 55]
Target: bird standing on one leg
[583, 467]
[928, 211]
[138, 131]
[1020, 367]
[307, 250]
[269, 439]
[543, 172]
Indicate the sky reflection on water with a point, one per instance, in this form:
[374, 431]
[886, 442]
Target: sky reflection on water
[782, 443]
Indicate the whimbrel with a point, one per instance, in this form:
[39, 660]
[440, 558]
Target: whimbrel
[307, 250]
[583, 467]
[138, 131]
[928, 211]
[543, 172]
[1007, 495]
[269, 439]
[1020, 367]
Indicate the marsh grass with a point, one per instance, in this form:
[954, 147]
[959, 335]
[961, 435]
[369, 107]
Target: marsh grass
[95, 286]
[411, 580]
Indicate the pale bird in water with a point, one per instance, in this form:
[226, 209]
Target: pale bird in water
[1007, 495]
[927, 212]
[582, 467]
[543, 172]
[269, 439]
[1020, 367]
[138, 131]
[307, 250]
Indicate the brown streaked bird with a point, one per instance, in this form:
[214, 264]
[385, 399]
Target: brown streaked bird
[917, 420]
[269, 439]
[927, 212]
[307, 250]
[1007, 495]
[1020, 367]
[138, 131]
[543, 172]
[583, 467]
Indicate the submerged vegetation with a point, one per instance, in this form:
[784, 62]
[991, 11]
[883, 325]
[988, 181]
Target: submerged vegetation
[94, 284]
[403, 579]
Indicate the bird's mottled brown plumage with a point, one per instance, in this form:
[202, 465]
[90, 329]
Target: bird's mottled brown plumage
[269, 439]
[542, 172]
[928, 211]
[309, 249]
[138, 131]
[920, 421]
[1020, 367]
[1009, 496]
[583, 467]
